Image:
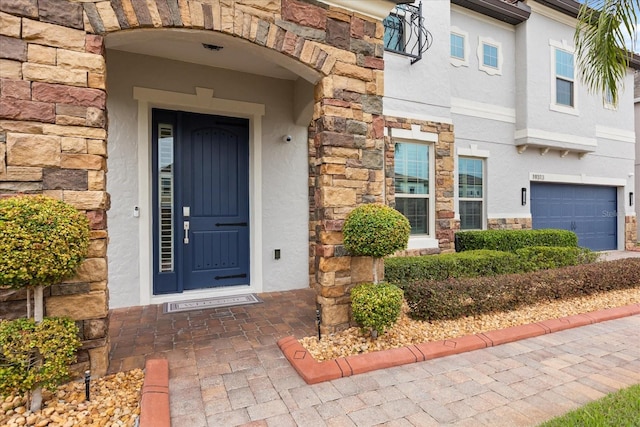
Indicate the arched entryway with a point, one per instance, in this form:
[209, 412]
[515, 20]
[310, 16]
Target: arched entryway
[81, 85]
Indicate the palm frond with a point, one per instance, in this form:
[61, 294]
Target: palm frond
[601, 33]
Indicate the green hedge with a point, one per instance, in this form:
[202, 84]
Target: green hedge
[512, 240]
[546, 257]
[484, 262]
[441, 267]
[454, 298]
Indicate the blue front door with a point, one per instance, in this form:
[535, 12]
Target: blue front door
[201, 194]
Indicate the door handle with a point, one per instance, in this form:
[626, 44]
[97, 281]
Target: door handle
[186, 232]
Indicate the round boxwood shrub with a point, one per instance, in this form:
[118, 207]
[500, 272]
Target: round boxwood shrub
[375, 230]
[42, 241]
[36, 354]
[376, 306]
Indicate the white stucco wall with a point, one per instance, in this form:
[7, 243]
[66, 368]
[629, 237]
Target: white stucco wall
[284, 167]
[421, 89]
[637, 161]
[469, 82]
[537, 78]
[487, 109]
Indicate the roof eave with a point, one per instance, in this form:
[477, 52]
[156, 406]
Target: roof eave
[499, 9]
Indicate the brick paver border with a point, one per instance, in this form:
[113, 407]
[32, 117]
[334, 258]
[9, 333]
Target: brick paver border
[315, 372]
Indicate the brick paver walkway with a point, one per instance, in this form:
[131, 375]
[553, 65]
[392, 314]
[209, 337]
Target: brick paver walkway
[226, 369]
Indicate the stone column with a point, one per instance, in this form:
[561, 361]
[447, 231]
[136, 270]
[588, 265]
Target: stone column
[347, 158]
[53, 141]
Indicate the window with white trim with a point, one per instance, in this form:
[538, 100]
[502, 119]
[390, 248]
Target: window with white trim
[608, 101]
[459, 47]
[564, 78]
[471, 193]
[490, 56]
[413, 184]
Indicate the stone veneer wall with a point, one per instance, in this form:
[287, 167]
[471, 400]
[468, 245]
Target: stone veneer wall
[509, 223]
[52, 141]
[53, 124]
[630, 232]
[445, 222]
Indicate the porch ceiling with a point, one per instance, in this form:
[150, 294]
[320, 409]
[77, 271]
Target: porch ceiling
[187, 46]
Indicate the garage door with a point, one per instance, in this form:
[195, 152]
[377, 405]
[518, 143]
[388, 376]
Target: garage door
[588, 210]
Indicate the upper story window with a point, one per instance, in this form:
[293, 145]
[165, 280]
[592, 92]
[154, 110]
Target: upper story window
[459, 47]
[405, 32]
[490, 56]
[608, 101]
[564, 97]
[564, 78]
[413, 184]
[394, 33]
[471, 193]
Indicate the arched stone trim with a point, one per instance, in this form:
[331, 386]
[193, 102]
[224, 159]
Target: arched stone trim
[261, 24]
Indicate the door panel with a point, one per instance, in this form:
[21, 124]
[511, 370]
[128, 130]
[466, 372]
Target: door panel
[587, 210]
[216, 190]
[209, 202]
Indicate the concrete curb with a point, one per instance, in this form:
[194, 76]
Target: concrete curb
[154, 405]
[315, 372]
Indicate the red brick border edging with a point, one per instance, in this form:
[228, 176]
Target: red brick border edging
[315, 372]
[154, 406]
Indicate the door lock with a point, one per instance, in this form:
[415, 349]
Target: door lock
[186, 232]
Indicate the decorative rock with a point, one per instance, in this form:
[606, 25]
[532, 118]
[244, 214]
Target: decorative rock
[33, 150]
[19, 173]
[95, 328]
[52, 74]
[92, 305]
[13, 48]
[64, 179]
[74, 145]
[96, 180]
[19, 109]
[304, 14]
[9, 25]
[10, 69]
[67, 14]
[53, 35]
[62, 94]
[21, 7]
[81, 161]
[81, 60]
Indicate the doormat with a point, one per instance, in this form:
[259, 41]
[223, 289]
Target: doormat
[215, 302]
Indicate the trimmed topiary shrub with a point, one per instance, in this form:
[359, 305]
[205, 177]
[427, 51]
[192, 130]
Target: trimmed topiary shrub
[36, 354]
[512, 240]
[454, 298]
[376, 306]
[42, 241]
[375, 230]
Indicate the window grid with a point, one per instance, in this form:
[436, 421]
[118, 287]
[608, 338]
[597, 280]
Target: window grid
[564, 78]
[394, 33]
[471, 193]
[457, 46]
[166, 192]
[411, 167]
[490, 55]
